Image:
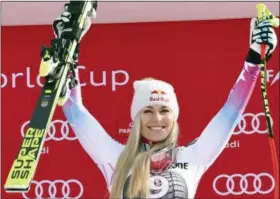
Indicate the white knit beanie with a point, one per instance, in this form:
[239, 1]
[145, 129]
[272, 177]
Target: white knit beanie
[150, 92]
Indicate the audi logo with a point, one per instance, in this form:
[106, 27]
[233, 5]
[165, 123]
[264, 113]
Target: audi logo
[237, 184]
[254, 126]
[54, 132]
[53, 189]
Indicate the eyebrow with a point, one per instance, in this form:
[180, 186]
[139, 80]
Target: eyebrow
[150, 107]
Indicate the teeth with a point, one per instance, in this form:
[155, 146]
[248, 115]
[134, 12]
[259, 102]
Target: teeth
[156, 128]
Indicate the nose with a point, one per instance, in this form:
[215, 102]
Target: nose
[157, 116]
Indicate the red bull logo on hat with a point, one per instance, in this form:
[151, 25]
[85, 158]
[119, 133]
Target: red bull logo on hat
[159, 92]
[159, 95]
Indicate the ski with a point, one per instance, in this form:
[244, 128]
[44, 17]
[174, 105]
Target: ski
[25, 164]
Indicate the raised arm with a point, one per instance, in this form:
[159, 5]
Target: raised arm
[217, 133]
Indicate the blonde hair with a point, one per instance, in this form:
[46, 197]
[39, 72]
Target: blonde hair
[138, 162]
[149, 78]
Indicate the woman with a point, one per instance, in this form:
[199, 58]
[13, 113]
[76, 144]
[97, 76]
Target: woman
[151, 165]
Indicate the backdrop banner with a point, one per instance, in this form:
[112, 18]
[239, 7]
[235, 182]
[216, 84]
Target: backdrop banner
[201, 59]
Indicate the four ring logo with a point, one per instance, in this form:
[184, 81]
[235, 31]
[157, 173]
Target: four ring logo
[59, 130]
[238, 184]
[254, 121]
[55, 189]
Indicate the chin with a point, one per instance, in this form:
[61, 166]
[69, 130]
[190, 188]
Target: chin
[157, 139]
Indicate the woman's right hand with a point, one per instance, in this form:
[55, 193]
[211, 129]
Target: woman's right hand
[64, 23]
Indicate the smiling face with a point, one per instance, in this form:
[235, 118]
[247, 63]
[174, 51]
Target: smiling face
[156, 122]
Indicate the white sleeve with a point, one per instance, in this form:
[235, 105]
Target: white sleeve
[103, 150]
[216, 135]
